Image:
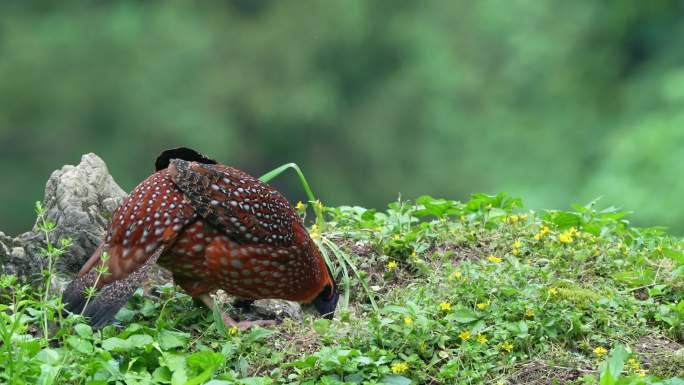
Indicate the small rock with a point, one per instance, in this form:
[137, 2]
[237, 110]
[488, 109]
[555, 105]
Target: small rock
[277, 309]
[18, 253]
[79, 200]
[7, 265]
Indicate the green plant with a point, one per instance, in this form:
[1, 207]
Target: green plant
[435, 291]
[618, 370]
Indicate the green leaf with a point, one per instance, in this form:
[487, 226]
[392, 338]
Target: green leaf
[169, 339]
[48, 373]
[162, 375]
[258, 334]
[176, 364]
[49, 356]
[635, 278]
[125, 315]
[675, 255]
[678, 272]
[463, 316]
[396, 309]
[563, 219]
[321, 325]
[308, 362]
[611, 369]
[255, 381]
[180, 376]
[355, 378]
[132, 342]
[519, 328]
[84, 330]
[436, 207]
[80, 345]
[204, 360]
[395, 379]
[201, 378]
[149, 308]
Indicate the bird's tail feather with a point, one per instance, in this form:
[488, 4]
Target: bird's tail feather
[103, 306]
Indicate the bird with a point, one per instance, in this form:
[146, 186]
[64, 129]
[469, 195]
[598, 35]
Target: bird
[214, 227]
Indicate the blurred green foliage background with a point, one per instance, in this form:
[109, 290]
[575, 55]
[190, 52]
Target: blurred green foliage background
[553, 101]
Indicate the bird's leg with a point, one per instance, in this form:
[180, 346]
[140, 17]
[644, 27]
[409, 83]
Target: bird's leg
[242, 325]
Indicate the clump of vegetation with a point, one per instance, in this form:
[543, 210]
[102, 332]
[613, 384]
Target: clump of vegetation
[436, 291]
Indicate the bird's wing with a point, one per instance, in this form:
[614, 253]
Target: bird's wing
[246, 209]
[148, 220]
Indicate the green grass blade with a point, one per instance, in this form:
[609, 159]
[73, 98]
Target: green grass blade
[342, 256]
[279, 170]
[345, 274]
[317, 207]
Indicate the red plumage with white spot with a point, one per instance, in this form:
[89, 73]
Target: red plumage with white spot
[214, 227]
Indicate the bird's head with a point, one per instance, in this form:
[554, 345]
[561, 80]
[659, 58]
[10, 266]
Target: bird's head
[326, 301]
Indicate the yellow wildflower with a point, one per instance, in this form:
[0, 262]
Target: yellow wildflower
[408, 320]
[445, 306]
[634, 364]
[553, 291]
[507, 346]
[315, 231]
[543, 230]
[396, 237]
[299, 205]
[565, 237]
[642, 373]
[529, 313]
[455, 275]
[233, 331]
[464, 335]
[413, 254]
[399, 367]
[514, 218]
[516, 251]
[481, 338]
[516, 244]
[391, 265]
[481, 305]
[573, 231]
[600, 351]
[494, 259]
